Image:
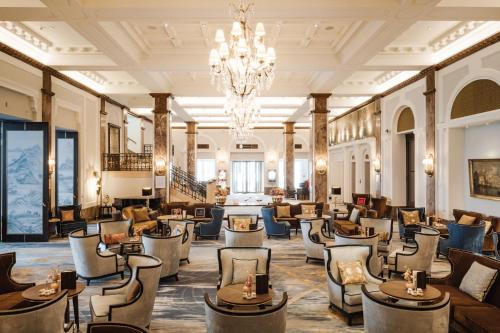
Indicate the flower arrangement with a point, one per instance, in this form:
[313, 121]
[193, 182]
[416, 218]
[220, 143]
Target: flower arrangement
[277, 191]
[221, 192]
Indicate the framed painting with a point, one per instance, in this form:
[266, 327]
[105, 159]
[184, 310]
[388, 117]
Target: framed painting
[484, 178]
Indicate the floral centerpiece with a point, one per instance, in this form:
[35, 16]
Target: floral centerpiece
[277, 194]
[220, 195]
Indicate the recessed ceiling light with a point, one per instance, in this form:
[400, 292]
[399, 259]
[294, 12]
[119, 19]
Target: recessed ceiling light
[152, 27]
[47, 27]
[316, 25]
[329, 27]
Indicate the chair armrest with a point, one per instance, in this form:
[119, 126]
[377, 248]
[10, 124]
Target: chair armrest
[409, 247]
[115, 290]
[153, 215]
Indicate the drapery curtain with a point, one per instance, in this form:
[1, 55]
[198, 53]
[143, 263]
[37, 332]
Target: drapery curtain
[246, 177]
[205, 169]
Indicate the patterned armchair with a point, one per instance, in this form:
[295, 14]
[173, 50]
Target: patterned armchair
[210, 229]
[407, 231]
[273, 227]
[462, 236]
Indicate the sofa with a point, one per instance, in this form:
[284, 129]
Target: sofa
[295, 209]
[190, 209]
[495, 226]
[468, 314]
[349, 224]
[139, 227]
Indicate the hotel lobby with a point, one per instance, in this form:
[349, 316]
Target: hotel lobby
[249, 166]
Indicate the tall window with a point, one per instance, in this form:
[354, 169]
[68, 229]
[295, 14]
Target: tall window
[301, 171]
[246, 177]
[205, 169]
[66, 167]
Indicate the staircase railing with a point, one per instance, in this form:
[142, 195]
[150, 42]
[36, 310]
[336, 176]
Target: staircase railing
[127, 162]
[187, 184]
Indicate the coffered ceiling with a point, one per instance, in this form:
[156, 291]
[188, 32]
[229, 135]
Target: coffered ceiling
[352, 48]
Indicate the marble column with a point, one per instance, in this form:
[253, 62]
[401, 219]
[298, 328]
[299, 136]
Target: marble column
[289, 150]
[191, 148]
[162, 142]
[125, 130]
[378, 145]
[320, 147]
[47, 116]
[430, 138]
[143, 128]
[103, 127]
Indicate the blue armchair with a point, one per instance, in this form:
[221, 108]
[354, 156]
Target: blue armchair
[465, 237]
[274, 228]
[495, 244]
[210, 229]
[407, 232]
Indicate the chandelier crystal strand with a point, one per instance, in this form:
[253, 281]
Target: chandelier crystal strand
[242, 68]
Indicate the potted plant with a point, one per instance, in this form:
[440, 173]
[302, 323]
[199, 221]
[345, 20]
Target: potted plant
[277, 194]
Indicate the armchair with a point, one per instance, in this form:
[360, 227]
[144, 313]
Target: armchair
[379, 207]
[168, 249]
[383, 227]
[346, 298]
[407, 231]
[10, 290]
[148, 223]
[462, 236]
[226, 255]
[187, 237]
[381, 316]
[210, 229]
[495, 244]
[90, 263]
[243, 238]
[273, 227]
[114, 327]
[113, 227]
[418, 257]
[133, 301]
[65, 227]
[315, 245]
[376, 262]
[349, 225]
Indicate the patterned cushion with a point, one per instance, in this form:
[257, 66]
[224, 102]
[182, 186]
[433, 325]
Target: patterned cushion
[410, 217]
[178, 230]
[283, 211]
[243, 267]
[478, 281]
[241, 224]
[141, 215]
[315, 237]
[67, 215]
[351, 272]
[467, 220]
[114, 238]
[308, 209]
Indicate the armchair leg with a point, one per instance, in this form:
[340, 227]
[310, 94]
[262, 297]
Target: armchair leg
[122, 274]
[88, 282]
[176, 277]
[307, 260]
[188, 260]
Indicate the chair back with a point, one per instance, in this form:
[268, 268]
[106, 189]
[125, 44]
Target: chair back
[375, 263]
[244, 238]
[167, 249]
[382, 226]
[7, 284]
[216, 222]
[466, 237]
[270, 224]
[253, 217]
[187, 237]
[345, 253]
[114, 327]
[313, 248]
[381, 316]
[223, 320]
[427, 240]
[380, 206]
[401, 225]
[495, 245]
[226, 255]
[114, 227]
[30, 319]
[84, 249]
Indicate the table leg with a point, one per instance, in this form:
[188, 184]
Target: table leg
[76, 312]
[66, 313]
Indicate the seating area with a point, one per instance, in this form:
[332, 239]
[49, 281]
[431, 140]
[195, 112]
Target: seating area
[244, 166]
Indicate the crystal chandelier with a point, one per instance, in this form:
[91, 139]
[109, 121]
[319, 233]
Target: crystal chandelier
[242, 68]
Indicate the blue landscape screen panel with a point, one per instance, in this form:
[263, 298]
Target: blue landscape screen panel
[24, 182]
[65, 171]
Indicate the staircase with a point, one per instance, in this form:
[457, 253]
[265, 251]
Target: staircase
[187, 184]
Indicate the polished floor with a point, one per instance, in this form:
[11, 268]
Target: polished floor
[179, 305]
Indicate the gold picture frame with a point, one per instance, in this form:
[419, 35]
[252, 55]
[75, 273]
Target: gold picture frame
[484, 178]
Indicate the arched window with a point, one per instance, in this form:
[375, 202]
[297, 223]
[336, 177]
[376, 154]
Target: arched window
[406, 121]
[477, 97]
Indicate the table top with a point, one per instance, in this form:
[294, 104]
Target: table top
[54, 220]
[233, 294]
[131, 240]
[311, 216]
[340, 211]
[397, 289]
[31, 294]
[174, 217]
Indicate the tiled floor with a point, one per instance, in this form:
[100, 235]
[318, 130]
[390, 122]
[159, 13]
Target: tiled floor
[179, 305]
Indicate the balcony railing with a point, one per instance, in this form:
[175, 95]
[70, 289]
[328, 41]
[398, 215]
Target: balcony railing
[127, 162]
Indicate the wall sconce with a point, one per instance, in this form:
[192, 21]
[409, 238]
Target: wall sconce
[160, 167]
[429, 165]
[271, 176]
[98, 182]
[52, 164]
[321, 166]
[376, 165]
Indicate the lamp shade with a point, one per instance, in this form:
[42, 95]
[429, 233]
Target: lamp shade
[336, 191]
[147, 191]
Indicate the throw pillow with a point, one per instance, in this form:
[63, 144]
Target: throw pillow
[315, 237]
[410, 217]
[467, 220]
[141, 215]
[114, 238]
[351, 272]
[478, 281]
[361, 201]
[383, 236]
[67, 215]
[487, 226]
[354, 215]
[241, 224]
[308, 209]
[133, 290]
[283, 211]
[243, 267]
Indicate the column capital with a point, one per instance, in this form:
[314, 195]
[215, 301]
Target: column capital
[191, 127]
[161, 102]
[160, 95]
[289, 126]
[320, 102]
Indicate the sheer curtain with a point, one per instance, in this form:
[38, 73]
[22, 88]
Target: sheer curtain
[205, 169]
[301, 171]
[246, 177]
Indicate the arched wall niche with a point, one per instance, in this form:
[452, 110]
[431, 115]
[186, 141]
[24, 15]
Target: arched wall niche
[406, 120]
[476, 97]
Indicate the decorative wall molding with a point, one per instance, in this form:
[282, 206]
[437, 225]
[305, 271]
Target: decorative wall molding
[458, 31]
[27, 34]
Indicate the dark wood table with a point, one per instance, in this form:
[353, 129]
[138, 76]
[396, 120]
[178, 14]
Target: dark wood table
[397, 289]
[130, 241]
[31, 294]
[233, 295]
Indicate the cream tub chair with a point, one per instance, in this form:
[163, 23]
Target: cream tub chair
[376, 261]
[226, 255]
[314, 245]
[168, 249]
[244, 238]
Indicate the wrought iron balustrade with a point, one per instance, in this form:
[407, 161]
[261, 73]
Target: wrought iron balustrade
[187, 184]
[127, 162]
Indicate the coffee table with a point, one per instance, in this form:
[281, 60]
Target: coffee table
[31, 294]
[132, 241]
[397, 289]
[233, 295]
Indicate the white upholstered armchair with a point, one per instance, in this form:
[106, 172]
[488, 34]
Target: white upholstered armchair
[418, 256]
[226, 255]
[168, 249]
[315, 239]
[346, 298]
[133, 301]
[383, 227]
[243, 238]
[107, 228]
[90, 262]
[376, 261]
[187, 237]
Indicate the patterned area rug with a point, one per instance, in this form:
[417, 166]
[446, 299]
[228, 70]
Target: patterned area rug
[179, 306]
